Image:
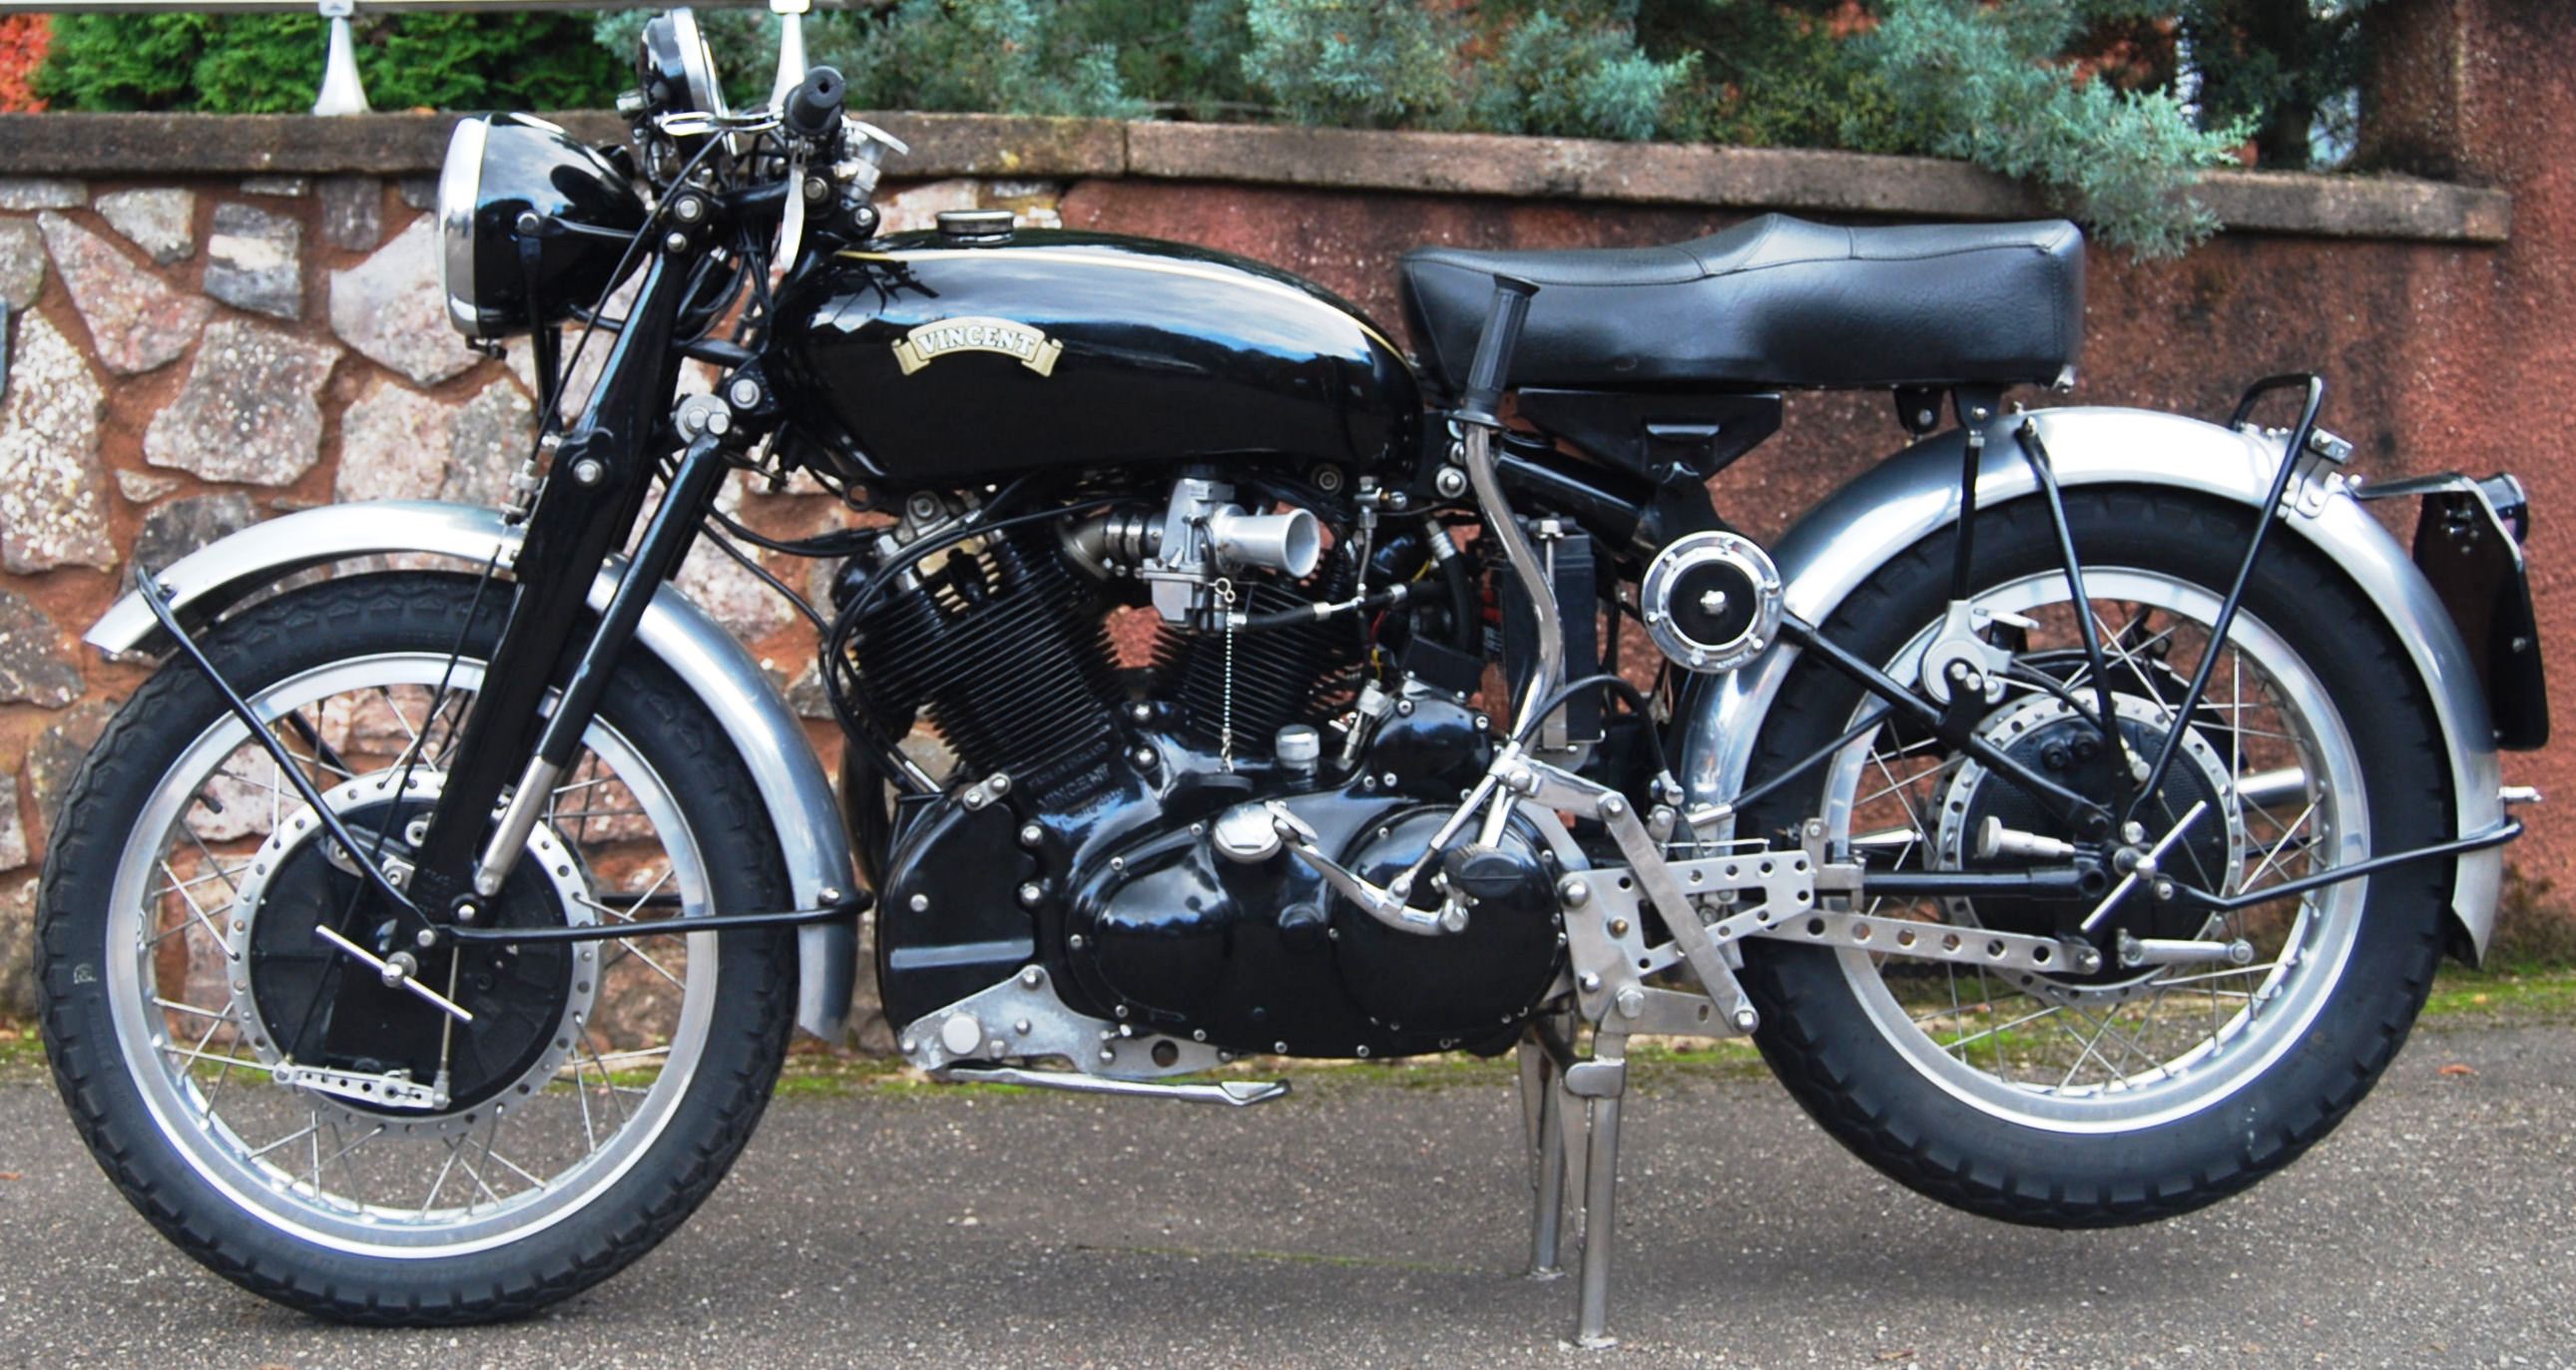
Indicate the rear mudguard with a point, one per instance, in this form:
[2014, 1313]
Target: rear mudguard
[1842, 542]
[763, 729]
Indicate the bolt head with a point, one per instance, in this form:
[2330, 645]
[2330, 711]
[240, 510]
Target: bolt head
[1574, 892]
[1589, 982]
[1031, 834]
[1747, 1020]
[1032, 977]
[744, 392]
[1031, 893]
[587, 471]
[919, 903]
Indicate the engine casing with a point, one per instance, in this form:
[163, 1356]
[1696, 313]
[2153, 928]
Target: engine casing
[1139, 919]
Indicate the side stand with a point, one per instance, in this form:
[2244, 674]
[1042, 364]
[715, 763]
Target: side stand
[1571, 1116]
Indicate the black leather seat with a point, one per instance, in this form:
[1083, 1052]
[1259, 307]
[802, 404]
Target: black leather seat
[1772, 302]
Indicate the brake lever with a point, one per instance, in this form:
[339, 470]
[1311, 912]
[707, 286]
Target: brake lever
[791, 220]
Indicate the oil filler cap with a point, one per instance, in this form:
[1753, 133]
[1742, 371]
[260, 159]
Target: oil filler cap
[975, 226]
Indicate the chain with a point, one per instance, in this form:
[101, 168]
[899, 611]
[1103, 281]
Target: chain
[1225, 716]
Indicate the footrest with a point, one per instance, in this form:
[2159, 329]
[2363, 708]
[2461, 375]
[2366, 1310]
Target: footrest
[1231, 1093]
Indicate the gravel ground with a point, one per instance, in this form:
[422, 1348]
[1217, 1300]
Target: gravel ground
[1362, 1222]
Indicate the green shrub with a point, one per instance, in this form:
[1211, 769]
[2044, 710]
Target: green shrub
[1589, 82]
[1010, 56]
[273, 63]
[1775, 73]
[1356, 63]
[2111, 106]
[1978, 80]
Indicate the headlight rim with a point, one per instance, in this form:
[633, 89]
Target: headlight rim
[460, 193]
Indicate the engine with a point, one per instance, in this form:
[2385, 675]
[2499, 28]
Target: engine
[1077, 829]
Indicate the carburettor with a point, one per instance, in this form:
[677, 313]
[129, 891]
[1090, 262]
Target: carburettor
[1200, 536]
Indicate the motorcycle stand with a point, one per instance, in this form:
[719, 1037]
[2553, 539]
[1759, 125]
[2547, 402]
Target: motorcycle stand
[1571, 1113]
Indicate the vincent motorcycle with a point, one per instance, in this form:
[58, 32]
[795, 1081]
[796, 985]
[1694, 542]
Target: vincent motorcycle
[2073, 808]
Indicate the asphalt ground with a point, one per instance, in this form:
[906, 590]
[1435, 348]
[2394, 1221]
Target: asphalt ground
[1379, 1218]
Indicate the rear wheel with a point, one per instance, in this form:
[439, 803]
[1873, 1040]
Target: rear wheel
[2149, 1089]
[318, 1136]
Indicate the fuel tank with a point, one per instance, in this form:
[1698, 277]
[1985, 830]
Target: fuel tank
[926, 359]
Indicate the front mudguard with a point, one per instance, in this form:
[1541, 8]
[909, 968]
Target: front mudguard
[763, 730]
[1842, 542]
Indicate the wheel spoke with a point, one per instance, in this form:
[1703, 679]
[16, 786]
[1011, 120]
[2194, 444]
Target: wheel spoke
[631, 1050]
[2263, 741]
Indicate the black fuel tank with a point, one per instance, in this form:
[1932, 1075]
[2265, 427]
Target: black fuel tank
[922, 359]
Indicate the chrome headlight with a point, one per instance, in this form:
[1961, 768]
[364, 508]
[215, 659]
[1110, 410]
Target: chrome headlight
[522, 207]
[460, 186]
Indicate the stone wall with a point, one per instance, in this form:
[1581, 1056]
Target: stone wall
[221, 320]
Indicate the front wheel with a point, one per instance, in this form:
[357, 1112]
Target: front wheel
[2149, 1089]
[307, 1130]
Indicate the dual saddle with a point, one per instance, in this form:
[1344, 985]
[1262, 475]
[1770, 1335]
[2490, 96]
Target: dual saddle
[1773, 303]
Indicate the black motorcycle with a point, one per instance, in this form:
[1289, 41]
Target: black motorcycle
[2073, 808]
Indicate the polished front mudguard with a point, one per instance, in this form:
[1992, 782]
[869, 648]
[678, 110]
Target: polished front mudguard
[1843, 541]
[763, 729]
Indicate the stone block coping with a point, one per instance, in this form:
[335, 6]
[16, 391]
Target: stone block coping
[144, 146]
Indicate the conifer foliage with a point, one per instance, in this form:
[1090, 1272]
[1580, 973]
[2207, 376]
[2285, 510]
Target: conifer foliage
[2113, 107]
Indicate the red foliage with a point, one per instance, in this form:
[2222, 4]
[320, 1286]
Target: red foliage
[23, 40]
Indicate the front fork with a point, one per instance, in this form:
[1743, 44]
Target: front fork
[546, 676]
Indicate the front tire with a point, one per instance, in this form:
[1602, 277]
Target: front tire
[614, 1088]
[2111, 1099]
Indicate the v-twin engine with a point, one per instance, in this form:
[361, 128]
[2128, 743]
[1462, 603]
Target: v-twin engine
[1097, 756]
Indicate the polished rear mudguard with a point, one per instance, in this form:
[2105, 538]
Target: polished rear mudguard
[763, 729]
[1843, 541]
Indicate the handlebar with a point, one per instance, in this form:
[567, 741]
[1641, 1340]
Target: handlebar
[813, 109]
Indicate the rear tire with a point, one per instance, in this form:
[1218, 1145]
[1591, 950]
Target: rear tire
[1983, 1139]
[344, 1250]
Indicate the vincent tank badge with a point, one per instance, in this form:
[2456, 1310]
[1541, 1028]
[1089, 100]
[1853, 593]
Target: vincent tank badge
[939, 338]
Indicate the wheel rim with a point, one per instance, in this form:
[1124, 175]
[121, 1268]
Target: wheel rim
[2037, 1051]
[314, 1170]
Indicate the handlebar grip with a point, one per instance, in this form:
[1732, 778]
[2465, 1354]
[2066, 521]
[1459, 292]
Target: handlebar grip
[813, 109]
[1490, 370]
